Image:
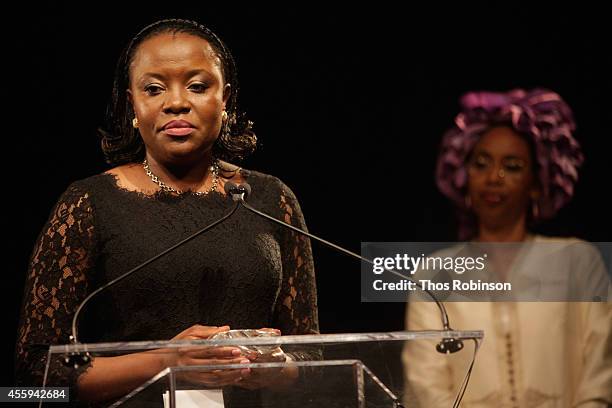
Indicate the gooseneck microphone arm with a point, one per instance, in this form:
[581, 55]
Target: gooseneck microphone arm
[75, 319]
[238, 193]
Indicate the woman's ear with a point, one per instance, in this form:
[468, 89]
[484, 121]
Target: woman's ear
[129, 96]
[227, 91]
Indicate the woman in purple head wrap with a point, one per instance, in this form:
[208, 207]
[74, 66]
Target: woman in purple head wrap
[510, 161]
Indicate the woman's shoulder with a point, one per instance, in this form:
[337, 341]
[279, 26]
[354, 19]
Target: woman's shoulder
[87, 186]
[252, 176]
[77, 198]
[563, 241]
[272, 193]
[568, 246]
[266, 181]
[551, 239]
[87, 191]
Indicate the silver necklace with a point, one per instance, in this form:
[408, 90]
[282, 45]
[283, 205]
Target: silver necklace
[214, 168]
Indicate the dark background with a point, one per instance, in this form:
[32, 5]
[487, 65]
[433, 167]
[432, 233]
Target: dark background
[349, 106]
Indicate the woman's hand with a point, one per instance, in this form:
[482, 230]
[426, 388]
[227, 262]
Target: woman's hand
[206, 355]
[273, 377]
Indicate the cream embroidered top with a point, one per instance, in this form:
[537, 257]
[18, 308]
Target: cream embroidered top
[534, 354]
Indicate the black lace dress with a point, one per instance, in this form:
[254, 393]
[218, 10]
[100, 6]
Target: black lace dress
[246, 272]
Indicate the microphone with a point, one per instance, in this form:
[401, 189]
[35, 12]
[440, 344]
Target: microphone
[239, 192]
[77, 359]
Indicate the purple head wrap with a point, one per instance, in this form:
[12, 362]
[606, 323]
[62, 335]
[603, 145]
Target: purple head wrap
[541, 115]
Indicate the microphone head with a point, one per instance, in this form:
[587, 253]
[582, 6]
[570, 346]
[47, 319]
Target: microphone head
[237, 192]
[229, 188]
[449, 346]
[246, 188]
[76, 360]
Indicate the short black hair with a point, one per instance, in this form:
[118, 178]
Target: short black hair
[121, 143]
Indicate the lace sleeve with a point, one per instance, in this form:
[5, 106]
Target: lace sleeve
[56, 283]
[296, 308]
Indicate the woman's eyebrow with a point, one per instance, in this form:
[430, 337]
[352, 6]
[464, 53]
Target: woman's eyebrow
[481, 152]
[155, 75]
[197, 71]
[187, 74]
[512, 157]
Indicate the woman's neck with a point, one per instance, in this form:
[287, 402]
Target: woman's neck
[511, 232]
[192, 177]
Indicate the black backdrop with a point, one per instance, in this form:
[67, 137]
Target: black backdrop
[349, 106]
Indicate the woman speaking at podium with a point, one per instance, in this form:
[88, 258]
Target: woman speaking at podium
[173, 128]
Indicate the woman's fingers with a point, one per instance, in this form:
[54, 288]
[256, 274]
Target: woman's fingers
[203, 332]
[268, 329]
[219, 356]
[198, 331]
[217, 361]
[212, 352]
